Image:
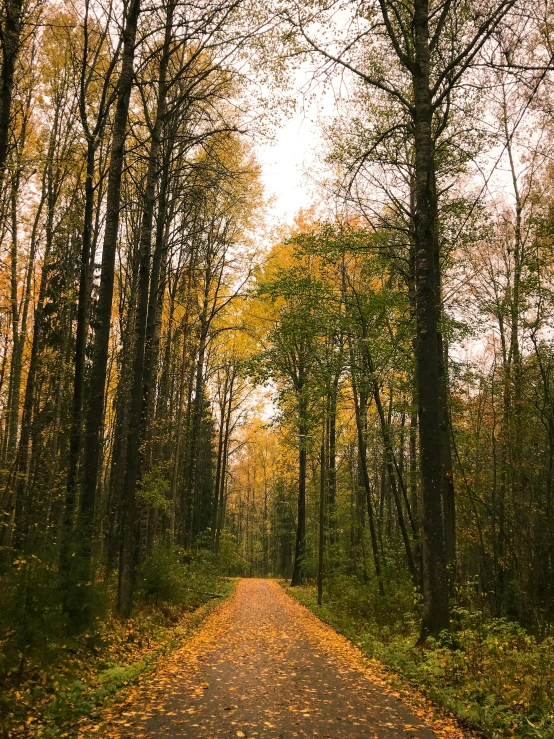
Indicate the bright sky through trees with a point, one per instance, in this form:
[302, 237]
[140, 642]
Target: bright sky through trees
[285, 164]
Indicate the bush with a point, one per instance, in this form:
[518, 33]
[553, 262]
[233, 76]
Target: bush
[162, 575]
[394, 612]
[229, 559]
[31, 617]
[172, 575]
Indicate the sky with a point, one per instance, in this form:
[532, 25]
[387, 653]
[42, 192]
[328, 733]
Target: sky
[295, 152]
[283, 162]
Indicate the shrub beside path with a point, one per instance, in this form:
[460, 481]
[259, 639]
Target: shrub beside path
[263, 666]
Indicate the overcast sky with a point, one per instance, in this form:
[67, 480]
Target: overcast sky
[295, 153]
[283, 164]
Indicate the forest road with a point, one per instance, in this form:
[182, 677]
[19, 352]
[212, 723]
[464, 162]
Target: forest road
[262, 665]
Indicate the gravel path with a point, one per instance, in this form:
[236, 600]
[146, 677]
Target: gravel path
[264, 666]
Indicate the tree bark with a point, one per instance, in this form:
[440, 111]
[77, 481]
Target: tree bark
[300, 546]
[223, 477]
[95, 412]
[79, 359]
[11, 38]
[321, 542]
[448, 491]
[332, 462]
[140, 390]
[359, 410]
[435, 580]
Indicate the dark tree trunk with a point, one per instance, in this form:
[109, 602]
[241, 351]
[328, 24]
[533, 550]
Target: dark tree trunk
[79, 358]
[23, 461]
[11, 38]
[360, 406]
[435, 600]
[140, 389]
[18, 338]
[300, 546]
[393, 471]
[224, 425]
[23, 452]
[223, 476]
[223, 481]
[413, 463]
[195, 429]
[332, 463]
[448, 492]
[155, 304]
[95, 412]
[321, 543]
[218, 467]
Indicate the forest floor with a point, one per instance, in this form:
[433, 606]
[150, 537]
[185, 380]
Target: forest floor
[67, 680]
[262, 665]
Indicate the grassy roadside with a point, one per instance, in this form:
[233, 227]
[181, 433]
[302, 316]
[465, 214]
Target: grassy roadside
[492, 675]
[53, 701]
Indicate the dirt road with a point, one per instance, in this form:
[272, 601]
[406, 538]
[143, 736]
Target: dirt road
[264, 666]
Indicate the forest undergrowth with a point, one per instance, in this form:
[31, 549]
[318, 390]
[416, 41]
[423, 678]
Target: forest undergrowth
[55, 681]
[491, 673]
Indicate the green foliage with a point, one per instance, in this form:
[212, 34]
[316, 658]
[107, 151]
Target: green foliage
[32, 622]
[171, 575]
[491, 673]
[363, 603]
[162, 575]
[229, 558]
[154, 490]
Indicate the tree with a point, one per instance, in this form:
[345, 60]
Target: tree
[428, 67]
[290, 355]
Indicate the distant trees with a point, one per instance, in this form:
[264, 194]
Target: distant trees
[291, 358]
[343, 280]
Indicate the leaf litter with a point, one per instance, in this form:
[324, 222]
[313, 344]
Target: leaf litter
[263, 665]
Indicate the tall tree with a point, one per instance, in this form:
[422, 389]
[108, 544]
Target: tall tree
[429, 66]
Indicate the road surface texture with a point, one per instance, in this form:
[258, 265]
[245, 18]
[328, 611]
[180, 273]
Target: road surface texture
[262, 665]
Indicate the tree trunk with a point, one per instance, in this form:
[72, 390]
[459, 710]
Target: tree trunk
[155, 305]
[79, 359]
[95, 413]
[448, 492]
[22, 462]
[224, 422]
[332, 462]
[393, 470]
[12, 411]
[360, 404]
[195, 429]
[435, 580]
[11, 33]
[300, 546]
[321, 543]
[223, 477]
[21, 465]
[390, 464]
[140, 390]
